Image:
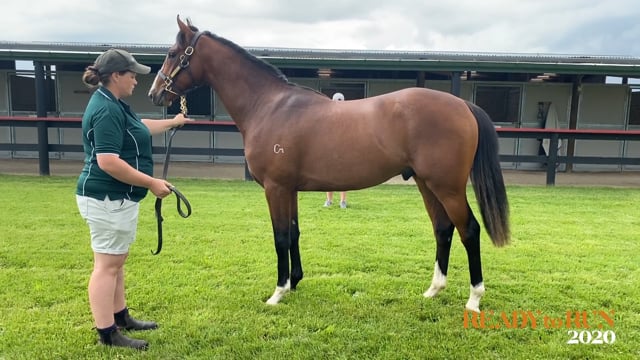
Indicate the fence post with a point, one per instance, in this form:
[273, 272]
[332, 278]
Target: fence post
[247, 174]
[552, 159]
[41, 111]
[455, 83]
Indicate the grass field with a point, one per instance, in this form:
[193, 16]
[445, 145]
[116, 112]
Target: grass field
[574, 250]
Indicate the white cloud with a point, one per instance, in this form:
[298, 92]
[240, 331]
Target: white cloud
[549, 26]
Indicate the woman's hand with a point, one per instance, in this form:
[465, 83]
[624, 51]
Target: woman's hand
[179, 120]
[157, 126]
[160, 188]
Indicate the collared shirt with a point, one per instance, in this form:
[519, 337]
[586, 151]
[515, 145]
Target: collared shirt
[109, 126]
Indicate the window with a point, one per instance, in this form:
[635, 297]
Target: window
[634, 107]
[23, 93]
[502, 103]
[198, 103]
[351, 91]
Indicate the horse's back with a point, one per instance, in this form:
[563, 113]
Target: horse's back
[421, 116]
[438, 104]
[364, 142]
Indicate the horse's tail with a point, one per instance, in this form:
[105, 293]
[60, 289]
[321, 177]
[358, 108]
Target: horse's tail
[486, 177]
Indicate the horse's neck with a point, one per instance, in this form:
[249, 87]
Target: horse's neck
[242, 85]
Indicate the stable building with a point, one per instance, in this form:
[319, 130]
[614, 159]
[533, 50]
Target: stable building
[517, 90]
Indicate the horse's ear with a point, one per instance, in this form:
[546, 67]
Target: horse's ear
[181, 24]
[185, 30]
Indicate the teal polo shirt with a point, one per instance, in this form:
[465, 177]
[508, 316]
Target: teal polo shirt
[109, 126]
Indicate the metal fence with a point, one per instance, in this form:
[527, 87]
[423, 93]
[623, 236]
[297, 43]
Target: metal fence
[550, 162]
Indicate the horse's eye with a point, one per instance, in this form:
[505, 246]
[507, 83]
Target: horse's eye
[171, 54]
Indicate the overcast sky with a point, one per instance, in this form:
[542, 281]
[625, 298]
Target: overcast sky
[589, 27]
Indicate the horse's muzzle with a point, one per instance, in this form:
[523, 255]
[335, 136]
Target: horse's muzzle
[160, 98]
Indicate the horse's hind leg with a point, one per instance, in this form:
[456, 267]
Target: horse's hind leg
[283, 207]
[469, 230]
[443, 231]
[454, 202]
[471, 242]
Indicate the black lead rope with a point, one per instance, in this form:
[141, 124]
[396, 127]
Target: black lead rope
[179, 197]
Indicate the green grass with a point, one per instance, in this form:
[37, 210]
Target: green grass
[366, 267]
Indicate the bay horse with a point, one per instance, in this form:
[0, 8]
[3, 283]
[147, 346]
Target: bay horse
[293, 134]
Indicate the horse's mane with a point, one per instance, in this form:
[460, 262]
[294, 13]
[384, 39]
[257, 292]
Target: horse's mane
[249, 57]
[241, 51]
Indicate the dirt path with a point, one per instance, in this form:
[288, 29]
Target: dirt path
[229, 171]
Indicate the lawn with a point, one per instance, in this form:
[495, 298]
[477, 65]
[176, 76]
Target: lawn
[570, 276]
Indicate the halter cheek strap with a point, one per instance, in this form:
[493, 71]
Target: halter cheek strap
[183, 64]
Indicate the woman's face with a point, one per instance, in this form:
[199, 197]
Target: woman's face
[123, 84]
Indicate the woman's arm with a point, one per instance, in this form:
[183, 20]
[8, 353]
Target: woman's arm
[159, 126]
[120, 170]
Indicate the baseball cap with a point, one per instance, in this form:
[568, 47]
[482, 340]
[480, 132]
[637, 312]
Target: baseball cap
[338, 97]
[116, 60]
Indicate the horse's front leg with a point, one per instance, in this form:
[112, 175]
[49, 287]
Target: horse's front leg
[283, 207]
[294, 252]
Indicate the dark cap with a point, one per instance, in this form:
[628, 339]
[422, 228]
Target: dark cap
[116, 60]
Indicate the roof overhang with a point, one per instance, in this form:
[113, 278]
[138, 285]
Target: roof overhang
[58, 53]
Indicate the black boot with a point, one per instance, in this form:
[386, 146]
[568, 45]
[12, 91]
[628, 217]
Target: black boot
[115, 338]
[125, 321]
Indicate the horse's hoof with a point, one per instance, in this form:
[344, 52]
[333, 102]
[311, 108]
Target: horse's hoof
[279, 293]
[475, 309]
[433, 291]
[273, 300]
[438, 283]
[474, 298]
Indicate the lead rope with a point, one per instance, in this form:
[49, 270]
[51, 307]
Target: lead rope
[179, 197]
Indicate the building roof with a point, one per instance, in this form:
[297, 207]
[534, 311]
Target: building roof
[628, 66]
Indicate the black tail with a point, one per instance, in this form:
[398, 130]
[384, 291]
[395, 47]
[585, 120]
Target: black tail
[488, 184]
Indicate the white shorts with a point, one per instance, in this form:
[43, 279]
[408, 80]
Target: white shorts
[112, 223]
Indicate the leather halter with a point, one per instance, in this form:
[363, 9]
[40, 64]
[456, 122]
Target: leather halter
[183, 64]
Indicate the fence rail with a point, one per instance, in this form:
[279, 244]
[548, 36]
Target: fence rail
[550, 161]
[553, 159]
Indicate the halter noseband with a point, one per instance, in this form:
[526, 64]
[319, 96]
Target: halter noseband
[184, 64]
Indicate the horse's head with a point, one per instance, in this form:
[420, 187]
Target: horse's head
[180, 71]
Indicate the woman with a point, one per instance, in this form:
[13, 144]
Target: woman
[117, 174]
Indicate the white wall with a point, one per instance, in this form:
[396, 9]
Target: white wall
[603, 107]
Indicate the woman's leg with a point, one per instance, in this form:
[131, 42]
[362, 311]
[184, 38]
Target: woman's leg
[105, 288]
